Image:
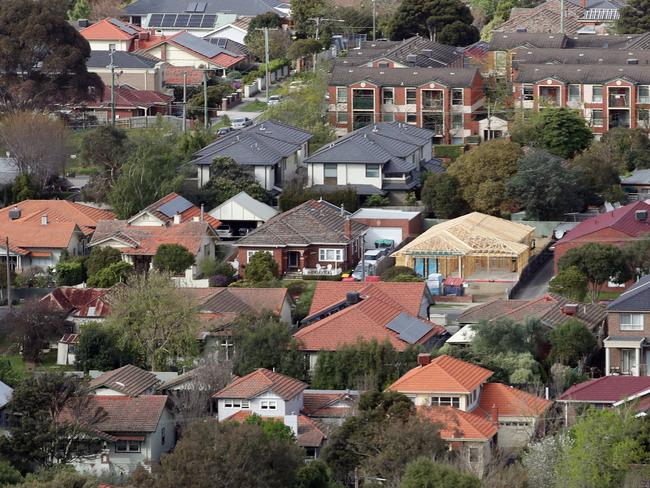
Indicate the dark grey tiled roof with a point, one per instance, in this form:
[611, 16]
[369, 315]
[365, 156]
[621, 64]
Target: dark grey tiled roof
[434, 165]
[578, 56]
[451, 77]
[129, 380]
[123, 59]
[504, 41]
[588, 73]
[363, 190]
[603, 42]
[244, 8]
[635, 299]
[428, 54]
[264, 143]
[197, 44]
[231, 46]
[313, 222]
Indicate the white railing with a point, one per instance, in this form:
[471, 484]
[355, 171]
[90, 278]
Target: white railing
[321, 271]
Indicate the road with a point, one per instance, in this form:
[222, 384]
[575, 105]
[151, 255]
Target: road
[537, 286]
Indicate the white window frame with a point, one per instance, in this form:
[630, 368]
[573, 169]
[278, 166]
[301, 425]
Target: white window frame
[527, 91]
[251, 252]
[631, 321]
[473, 450]
[414, 116]
[323, 253]
[462, 97]
[268, 405]
[236, 403]
[127, 446]
[593, 94]
[375, 167]
[640, 121]
[340, 99]
[446, 401]
[388, 100]
[646, 98]
[593, 119]
[572, 98]
[414, 98]
[454, 121]
[341, 117]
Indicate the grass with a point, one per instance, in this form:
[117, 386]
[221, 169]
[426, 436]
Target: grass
[256, 106]
[609, 295]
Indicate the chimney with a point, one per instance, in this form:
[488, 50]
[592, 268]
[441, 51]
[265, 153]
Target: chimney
[347, 228]
[495, 414]
[424, 359]
[342, 209]
[44, 220]
[202, 212]
[352, 297]
[177, 218]
[570, 309]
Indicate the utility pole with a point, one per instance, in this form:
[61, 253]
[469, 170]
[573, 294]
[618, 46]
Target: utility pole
[562, 16]
[205, 99]
[112, 67]
[184, 102]
[374, 20]
[8, 273]
[267, 77]
[318, 21]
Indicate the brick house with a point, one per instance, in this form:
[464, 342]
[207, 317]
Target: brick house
[444, 100]
[627, 349]
[314, 238]
[129, 102]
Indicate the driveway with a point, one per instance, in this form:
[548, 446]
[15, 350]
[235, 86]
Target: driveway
[538, 285]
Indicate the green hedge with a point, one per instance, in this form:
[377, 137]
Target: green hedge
[450, 151]
[322, 278]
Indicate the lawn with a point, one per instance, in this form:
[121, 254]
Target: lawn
[609, 295]
[256, 106]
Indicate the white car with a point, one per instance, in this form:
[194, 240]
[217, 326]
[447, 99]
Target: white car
[241, 123]
[224, 231]
[274, 100]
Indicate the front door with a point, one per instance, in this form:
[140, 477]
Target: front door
[293, 260]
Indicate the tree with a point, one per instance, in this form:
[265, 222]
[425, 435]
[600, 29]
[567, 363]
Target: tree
[600, 263]
[101, 9]
[377, 201]
[544, 187]
[279, 44]
[561, 131]
[541, 460]
[43, 57]
[265, 342]
[216, 93]
[38, 142]
[483, 174]
[227, 179]
[356, 19]
[273, 428]
[599, 173]
[262, 267]
[504, 335]
[439, 20]
[33, 325]
[637, 256]
[100, 258]
[441, 195]
[303, 48]
[106, 147]
[424, 473]
[630, 148]
[70, 272]
[570, 283]
[8, 474]
[571, 342]
[391, 273]
[154, 319]
[98, 349]
[229, 454]
[634, 17]
[173, 258]
[60, 476]
[314, 474]
[111, 275]
[302, 11]
[80, 10]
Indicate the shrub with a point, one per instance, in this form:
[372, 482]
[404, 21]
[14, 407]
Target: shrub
[173, 258]
[448, 151]
[208, 267]
[111, 275]
[377, 201]
[404, 277]
[262, 267]
[100, 258]
[391, 273]
[69, 273]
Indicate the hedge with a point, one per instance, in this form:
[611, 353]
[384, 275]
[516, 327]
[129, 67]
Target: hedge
[450, 151]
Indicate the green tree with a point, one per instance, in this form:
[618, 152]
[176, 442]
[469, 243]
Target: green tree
[279, 44]
[216, 93]
[61, 476]
[544, 187]
[173, 258]
[634, 17]
[377, 201]
[599, 173]
[571, 342]
[314, 474]
[637, 256]
[272, 428]
[8, 474]
[302, 11]
[441, 195]
[100, 258]
[356, 19]
[106, 147]
[630, 148]
[570, 283]
[561, 131]
[303, 48]
[98, 349]
[424, 473]
[80, 10]
[439, 20]
[483, 174]
[154, 319]
[265, 342]
[600, 263]
[23, 189]
[111, 275]
[69, 273]
[262, 267]
[227, 179]
[43, 57]
[391, 273]
[504, 335]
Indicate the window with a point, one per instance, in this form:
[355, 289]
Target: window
[372, 171]
[341, 94]
[643, 118]
[473, 454]
[411, 118]
[329, 174]
[335, 255]
[628, 361]
[383, 64]
[456, 96]
[574, 93]
[411, 96]
[236, 403]
[341, 117]
[445, 402]
[457, 121]
[527, 92]
[644, 94]
[597, 96]
[162, 436]
[249, 254]
[206, 250]
[268, 405]
[127, 446]
[597, 118]
[631, 321]
[500, 60]
[387, 96]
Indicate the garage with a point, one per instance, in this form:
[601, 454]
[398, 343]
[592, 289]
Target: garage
[376, 233]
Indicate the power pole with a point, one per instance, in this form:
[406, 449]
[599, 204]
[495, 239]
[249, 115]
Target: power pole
[319, 21]
[112, 68]
[267, 77]
[562, 16]
[374, 20]
[8, 273]
[205, 99]
[184, 102]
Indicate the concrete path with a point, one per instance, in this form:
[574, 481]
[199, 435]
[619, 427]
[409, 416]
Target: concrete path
[538, 285]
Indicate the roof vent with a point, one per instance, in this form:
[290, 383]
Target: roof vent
[83, 23]
[632, 61]
[428, 52]
[44, 220]
[14, 213]
[411, 58]
[352, 297]
[375, 128]
[641, 215]
[521, 29]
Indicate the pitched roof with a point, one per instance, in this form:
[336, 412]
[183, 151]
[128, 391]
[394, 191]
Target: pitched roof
[313, 222]
[471, 234]
[543, 18]
[322, 403]
[81, 302]
[504, 41]
[511, 402]
[110, 29]
[243, 300]
[608, 389]
[444, 374]
[310, 434]
[166, 208]
[129, 380]
[28, 235]
[634, 299]
[423, 52]
[231, 46]
[250, 8]
[127, 97]
[260, 381]
[459, 425]
[489, 310]
[123, 59]
[244, 204]
[450, 77]
[5, 394]
[199, 47]
[583, 73]
[638, 177]
[577, 56]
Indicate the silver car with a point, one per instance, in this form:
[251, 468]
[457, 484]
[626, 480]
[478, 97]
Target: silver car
[241, 123]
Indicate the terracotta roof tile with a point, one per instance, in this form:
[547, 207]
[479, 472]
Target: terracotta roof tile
[27, 235]
[127, 97]
[511, 402]
[260, 381]
[186, 216]
[320, 404]
[109, 30]
[459, 425]
[488, 311]
[444, 374]
[129, 380]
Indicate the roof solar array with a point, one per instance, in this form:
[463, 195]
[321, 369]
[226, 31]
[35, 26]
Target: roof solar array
[177, 205]
[123, 27]
[409, 328]
[181, 21]
[601, 14]
[197, 45]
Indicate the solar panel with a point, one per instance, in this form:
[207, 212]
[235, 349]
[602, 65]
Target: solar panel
[177, 205]
[191, 7]
[168, 20]
[181, 20]
[195, 21]
[123, 27]
[155, 20]
[222, 42]
[409, 328]
[209, 20]
[200, 6]
[197, 45]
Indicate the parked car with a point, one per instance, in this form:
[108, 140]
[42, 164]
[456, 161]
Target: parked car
[224, 230]
[241, 123]
[358, 274]
[224, 131]
[374, 255]
[274, 100]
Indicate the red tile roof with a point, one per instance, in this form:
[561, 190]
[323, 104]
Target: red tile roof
[80, 301]
[127, 97]
[608, 389]
[174, 75]
[488, 311]
[221, 59]
[511, 402]
[444, 374]
[458, 425]
[105, 30]
[260, 381]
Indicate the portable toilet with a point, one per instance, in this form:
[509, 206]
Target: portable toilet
[453, 286]
[434, 283]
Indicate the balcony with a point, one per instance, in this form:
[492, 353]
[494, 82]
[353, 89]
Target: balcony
[619, 118]
[432, 100]
[619, 98]
[363, 103]
[549, 96]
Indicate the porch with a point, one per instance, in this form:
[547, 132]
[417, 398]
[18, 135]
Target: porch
[626, 356]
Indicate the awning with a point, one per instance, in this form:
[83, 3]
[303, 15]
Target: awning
[624, 342]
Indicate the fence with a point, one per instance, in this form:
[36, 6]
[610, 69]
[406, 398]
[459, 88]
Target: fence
[534, 265]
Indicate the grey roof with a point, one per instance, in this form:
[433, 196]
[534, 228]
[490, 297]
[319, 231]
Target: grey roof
[124, 27]
[504, 41]
[313, 222]
[8, 170]
[248, 8]
[635, 299]
[363, 190]
[197, 44]
[583, 73]
[604, 42]
[578, 56]
[228, 45]
[640, 41]
[638, 177]
[424, 53]
[129, 380]
[451, 77]
[5, 394]
[262, 144]
[123, 60]
[434, 165]
[384, 214]
[261, 210]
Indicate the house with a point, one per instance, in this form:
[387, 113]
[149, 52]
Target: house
[129, 102]
[132, 432]
[471, 247]
[112, 34]
[128, 380]
[39, 231]
[383, 224]
[607, 392]
[344, 313]
[142, 73]
[472, 411]
[6, 393]
[331, 407]
[82, 305]
[627, 349]
[170, 209]
[379, 159]
[637, 185]
[235, 31]
[616, 227]
[544, 18]
[313, 238]
[447, 101]
[270, 151]
[242, 213]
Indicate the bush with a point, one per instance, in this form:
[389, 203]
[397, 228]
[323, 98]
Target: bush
[404, 277]
[262, 267]
[391, 273]
[208, 267]
[111, 275]
[69, 273]
[377, 201]
[100, 258]
[448, 151]
[173, 258]
[225, 269]
[322, 278]
[218, 281]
